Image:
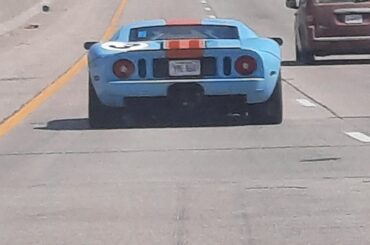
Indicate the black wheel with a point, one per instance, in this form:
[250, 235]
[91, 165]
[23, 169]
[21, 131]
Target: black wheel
[100, 116]
[269, 112]
[303, 55]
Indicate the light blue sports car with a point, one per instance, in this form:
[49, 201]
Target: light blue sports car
[190, 64]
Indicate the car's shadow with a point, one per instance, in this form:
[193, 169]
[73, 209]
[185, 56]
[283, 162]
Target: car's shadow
[328, 62]
[80, 124]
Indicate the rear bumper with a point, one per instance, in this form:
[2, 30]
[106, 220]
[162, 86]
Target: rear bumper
[114, 93]
[338, 45]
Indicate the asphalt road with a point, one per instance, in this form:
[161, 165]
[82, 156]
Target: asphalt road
[306, 181]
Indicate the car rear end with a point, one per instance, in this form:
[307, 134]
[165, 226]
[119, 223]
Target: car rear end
[177, 67]
[339, 26]
[228, 71]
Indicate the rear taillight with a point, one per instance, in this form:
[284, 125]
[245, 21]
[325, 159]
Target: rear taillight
[123, 68]
[245, 65]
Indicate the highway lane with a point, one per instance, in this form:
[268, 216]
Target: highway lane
[305, 182]
[33, 58]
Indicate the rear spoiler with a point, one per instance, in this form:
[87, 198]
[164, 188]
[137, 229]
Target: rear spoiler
[88, 45]
[279, 40]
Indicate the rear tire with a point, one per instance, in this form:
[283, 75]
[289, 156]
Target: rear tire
[269, 112]
[304, 56]
[100, 115]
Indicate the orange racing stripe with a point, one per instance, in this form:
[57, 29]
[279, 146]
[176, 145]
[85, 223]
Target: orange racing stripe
[183, 22]
[184, 49]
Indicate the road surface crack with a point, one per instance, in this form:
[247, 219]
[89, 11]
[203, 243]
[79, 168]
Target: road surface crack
[328, 159]
[180, 233]
[277, 188]
[97, 152]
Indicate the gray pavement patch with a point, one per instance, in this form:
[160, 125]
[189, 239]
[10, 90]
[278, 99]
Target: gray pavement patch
[20, 13]
[124, 151]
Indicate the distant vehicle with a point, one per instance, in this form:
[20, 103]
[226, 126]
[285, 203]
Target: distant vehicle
[189, 64]
[331, 27]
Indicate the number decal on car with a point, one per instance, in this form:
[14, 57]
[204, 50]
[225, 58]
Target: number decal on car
[124, 47]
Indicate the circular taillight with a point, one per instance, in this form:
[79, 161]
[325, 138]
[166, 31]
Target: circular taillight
[123, 68]
[246, 65]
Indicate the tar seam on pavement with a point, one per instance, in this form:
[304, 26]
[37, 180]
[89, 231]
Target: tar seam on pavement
[178, 150]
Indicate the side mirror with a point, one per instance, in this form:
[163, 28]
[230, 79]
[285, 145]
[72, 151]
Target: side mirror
[88, 45]
[278, 40]
[292, 4]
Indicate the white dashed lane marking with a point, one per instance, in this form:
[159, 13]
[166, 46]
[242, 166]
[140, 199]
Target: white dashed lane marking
[306, 103]
[208, 9]
[359, 136]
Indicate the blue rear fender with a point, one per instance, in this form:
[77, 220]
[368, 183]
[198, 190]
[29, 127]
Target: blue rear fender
[270, 53]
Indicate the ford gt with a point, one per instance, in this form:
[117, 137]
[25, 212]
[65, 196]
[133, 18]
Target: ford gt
[188, 63]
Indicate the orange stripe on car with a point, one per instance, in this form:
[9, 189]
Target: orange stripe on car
[184, 44]
[196, 43]
[184, 49]
[182, 22]
[173, 44]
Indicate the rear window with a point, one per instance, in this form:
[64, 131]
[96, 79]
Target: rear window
[184, 32]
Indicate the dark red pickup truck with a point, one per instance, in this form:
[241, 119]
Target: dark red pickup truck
[331, 27]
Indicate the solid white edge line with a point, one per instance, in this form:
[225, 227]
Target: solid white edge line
[306, 103]
[359, 136]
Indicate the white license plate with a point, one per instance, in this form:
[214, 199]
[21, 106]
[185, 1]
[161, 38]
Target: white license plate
[354, 19]
[184, 68]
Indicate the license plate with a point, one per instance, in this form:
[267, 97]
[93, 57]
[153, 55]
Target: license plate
[354, 19]
[184, 68]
